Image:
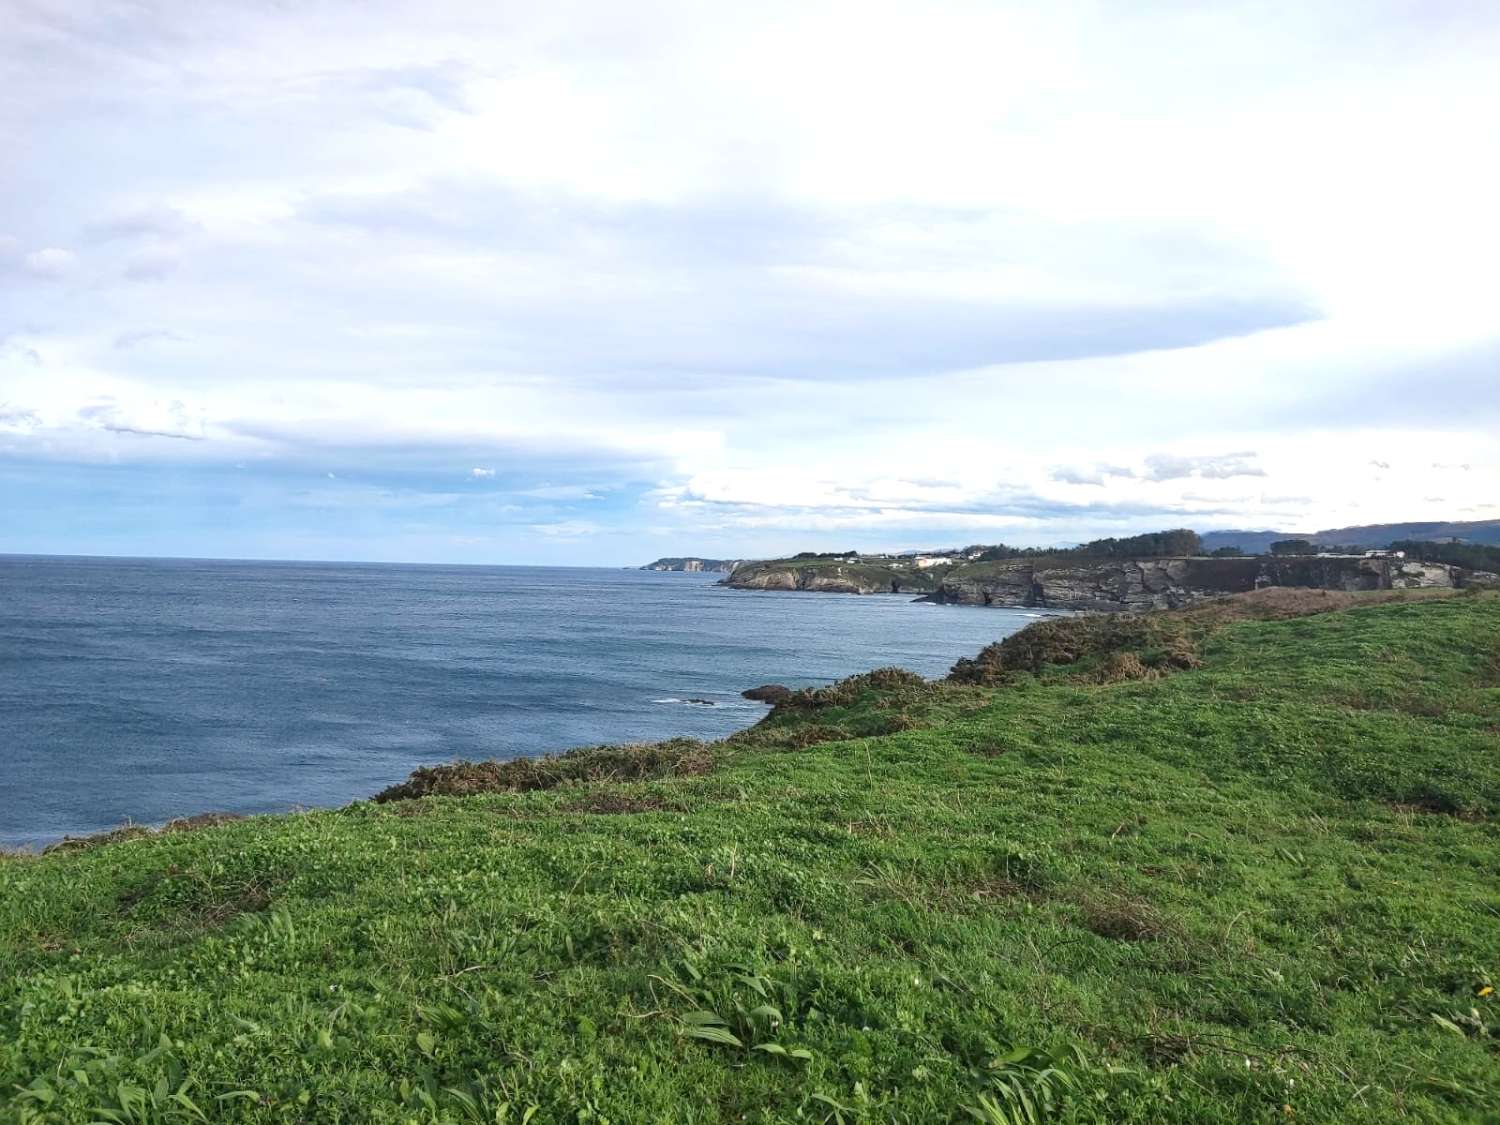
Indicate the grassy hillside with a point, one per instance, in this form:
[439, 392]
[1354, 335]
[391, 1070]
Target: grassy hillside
[1208, 870]
[1363, 535]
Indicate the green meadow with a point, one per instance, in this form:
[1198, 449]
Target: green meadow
[1241, 871]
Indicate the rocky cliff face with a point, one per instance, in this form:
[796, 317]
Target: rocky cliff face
[1104, 584]
[1139, 584]
[694, 565]
[849, 578]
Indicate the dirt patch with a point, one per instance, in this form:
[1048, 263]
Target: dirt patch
[202, 904]
[1165, 1050]
[995, 887]
[251, 899]
[1123, 918]
[986, 746]
[1432, 805]
[608, 803]
[677, 758]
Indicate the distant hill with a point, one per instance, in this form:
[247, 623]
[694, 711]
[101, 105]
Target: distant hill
[713, 566]
[1362, 535]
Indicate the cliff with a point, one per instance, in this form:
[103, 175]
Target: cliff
[833, 577]
[712, 566]
[1102, 584]
[1140, 584]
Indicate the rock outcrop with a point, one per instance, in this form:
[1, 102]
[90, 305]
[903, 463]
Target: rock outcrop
[1140, 584]
[694, 565]
[1104, 584]
[768, 693]
[831, 578]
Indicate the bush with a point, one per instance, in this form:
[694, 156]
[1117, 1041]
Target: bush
[847, 692]
[1063, 640]
[681, 756]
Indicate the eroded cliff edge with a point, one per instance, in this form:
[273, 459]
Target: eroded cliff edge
[1107, 584]
[831, 577]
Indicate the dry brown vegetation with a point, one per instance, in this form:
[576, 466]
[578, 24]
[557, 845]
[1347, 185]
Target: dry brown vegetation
[1123, 918]
[893, 683]
[677, 758]
[140, 831]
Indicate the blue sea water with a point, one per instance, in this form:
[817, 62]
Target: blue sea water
[144, 689]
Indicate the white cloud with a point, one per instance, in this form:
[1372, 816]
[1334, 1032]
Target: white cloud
[153, 263]
[568, 529]
[1057, 279]
[51, 263]
[1166, 466]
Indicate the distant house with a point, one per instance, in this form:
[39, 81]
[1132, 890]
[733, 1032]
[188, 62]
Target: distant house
[924, 561]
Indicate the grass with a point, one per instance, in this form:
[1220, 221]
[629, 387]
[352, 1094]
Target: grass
[1261, 888]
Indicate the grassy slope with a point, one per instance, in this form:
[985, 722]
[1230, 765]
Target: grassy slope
[1223, 888]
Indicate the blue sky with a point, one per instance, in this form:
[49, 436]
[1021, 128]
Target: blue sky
[597, 283]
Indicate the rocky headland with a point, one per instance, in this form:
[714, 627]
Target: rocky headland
[826, 577]
[694, 565]
[1106, 584]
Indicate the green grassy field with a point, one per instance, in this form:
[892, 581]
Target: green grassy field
[1259, 889]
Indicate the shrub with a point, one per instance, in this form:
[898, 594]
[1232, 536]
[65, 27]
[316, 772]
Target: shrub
[847, 692]
[1060, 640]
[681, 756]
[1121, 666]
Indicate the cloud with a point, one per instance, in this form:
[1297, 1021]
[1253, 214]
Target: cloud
[17, 419]
[595, 252]
[568, 529]
[153, 263]
[563, 492]
[154, 221]
[1097, 475]
[136, 337]
[52, 264]
[1165, 467]
[143, 419]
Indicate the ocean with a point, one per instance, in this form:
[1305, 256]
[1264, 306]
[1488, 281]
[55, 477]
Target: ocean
[145, 689]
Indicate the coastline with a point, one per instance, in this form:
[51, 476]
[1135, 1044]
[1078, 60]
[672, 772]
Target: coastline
[1120, 810]
[154, 690]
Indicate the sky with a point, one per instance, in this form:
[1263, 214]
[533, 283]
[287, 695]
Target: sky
[588, 282]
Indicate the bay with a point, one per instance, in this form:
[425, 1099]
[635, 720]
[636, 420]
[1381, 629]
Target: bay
[145, 689]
